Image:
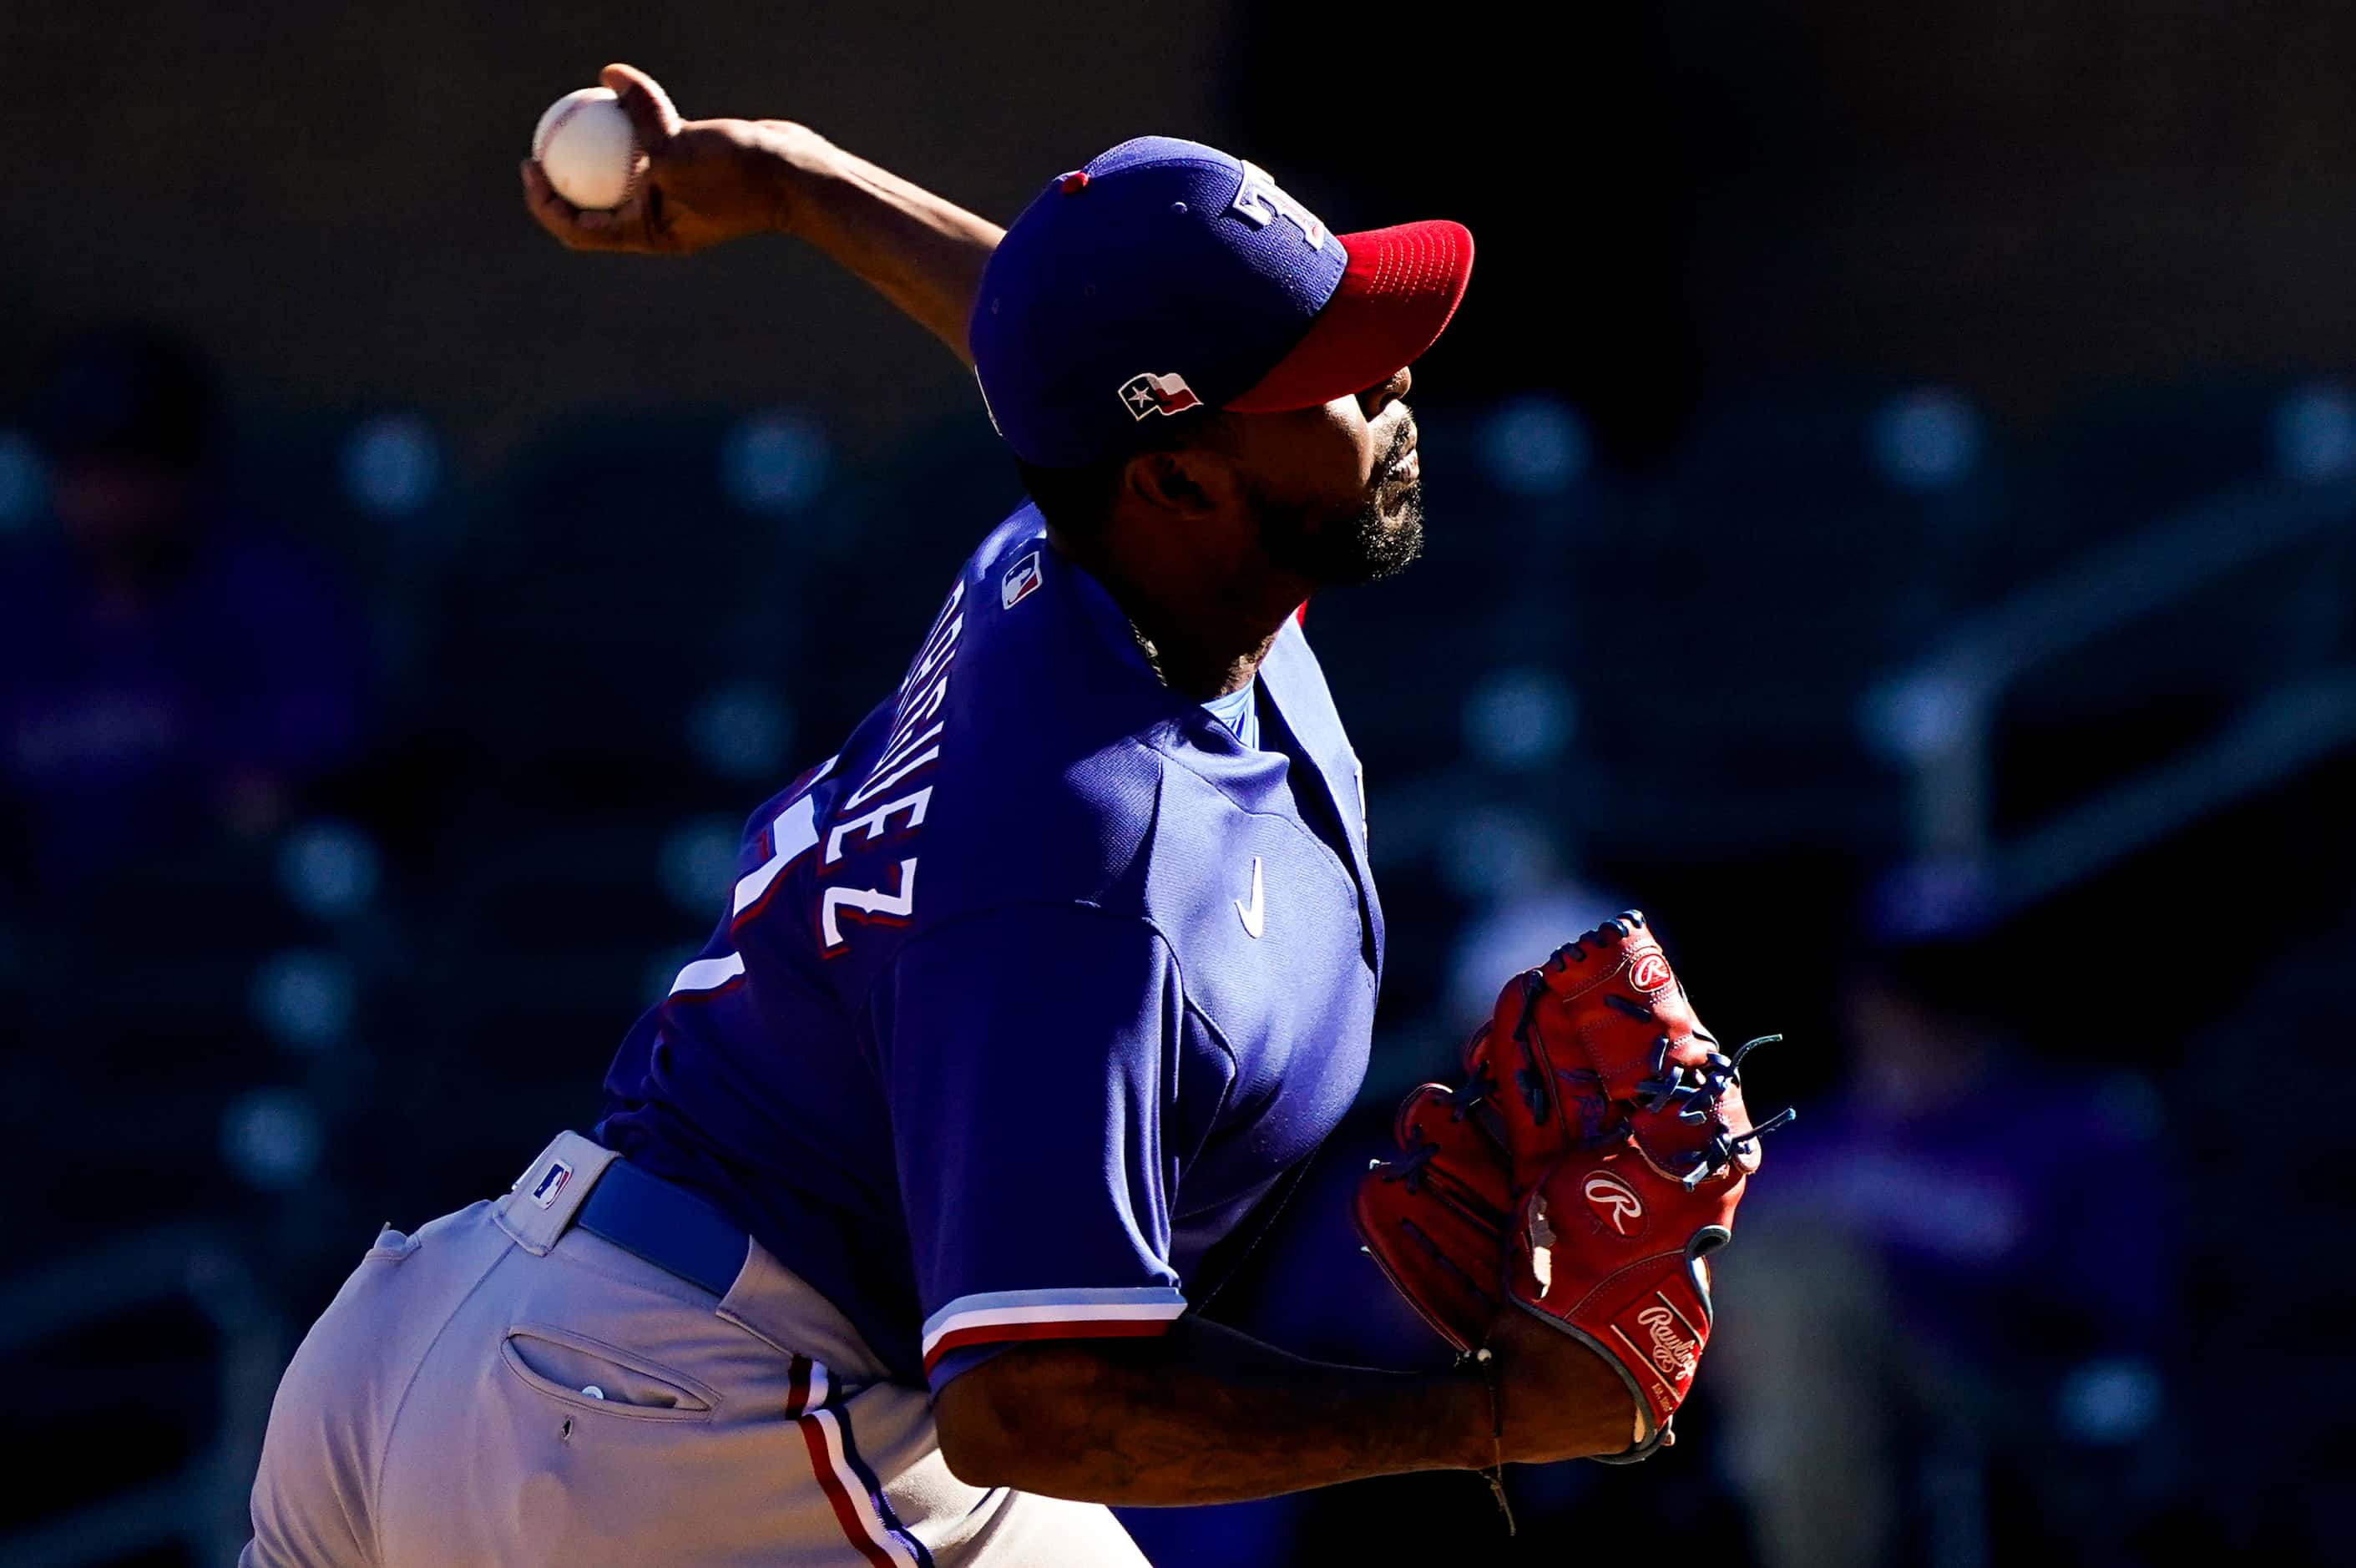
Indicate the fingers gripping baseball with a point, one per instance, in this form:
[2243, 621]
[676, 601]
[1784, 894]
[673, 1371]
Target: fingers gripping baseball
[594, 141]
[689, 184]
[651, 113]
[571, 227]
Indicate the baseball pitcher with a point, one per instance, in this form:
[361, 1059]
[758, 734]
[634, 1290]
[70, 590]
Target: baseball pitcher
[1027, 1005]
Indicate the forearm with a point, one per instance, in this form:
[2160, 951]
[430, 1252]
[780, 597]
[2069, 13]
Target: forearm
[1204, 1414]
[924, 253]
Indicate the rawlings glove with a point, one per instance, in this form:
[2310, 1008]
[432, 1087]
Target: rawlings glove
[1590, 1162]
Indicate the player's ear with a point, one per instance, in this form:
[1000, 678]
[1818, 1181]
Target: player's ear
[1191, 482]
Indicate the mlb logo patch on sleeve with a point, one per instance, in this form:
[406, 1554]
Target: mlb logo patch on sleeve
[1019, 579]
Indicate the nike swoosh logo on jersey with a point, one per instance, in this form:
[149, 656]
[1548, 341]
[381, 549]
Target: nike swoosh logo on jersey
[1255, 914]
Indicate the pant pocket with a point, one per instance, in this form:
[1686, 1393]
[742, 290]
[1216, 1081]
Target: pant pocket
[594, 1377]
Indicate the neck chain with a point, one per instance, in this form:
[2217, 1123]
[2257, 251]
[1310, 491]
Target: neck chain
[1152, 654]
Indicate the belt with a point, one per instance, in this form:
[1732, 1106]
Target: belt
[671, 1228]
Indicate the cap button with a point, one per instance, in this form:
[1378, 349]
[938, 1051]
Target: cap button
[1075, 182]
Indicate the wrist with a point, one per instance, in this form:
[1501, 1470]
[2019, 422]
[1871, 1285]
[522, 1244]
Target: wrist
[794, 161]
[1559, 1398]
[1473, 1413]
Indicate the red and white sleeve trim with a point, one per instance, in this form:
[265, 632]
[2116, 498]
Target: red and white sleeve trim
[996, 1316]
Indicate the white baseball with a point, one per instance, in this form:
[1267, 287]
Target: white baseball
[585, 147]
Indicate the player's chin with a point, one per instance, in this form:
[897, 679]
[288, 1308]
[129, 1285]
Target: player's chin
[1402, 514]
[1337, 546]
[1399, 501]
[1389, 536]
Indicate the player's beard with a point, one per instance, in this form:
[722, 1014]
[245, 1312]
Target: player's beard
[1337, 545]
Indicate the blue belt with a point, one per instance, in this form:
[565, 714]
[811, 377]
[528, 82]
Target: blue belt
[674, 1230]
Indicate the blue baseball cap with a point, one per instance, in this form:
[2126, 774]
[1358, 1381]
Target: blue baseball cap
[1166, 275]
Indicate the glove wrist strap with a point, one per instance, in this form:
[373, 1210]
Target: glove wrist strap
[1496, 1473]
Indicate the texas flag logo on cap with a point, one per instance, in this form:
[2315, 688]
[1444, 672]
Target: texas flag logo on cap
[1158, 395]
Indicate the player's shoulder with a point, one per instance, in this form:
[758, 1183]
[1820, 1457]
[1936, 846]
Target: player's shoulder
[1031, 732]
[1033, 625]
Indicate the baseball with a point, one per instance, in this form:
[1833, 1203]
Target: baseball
[587, 149]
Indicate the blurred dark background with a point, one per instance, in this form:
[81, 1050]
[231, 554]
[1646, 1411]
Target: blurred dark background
[1890, 496]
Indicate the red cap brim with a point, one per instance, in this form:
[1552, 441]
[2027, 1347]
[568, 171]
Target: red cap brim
[1395, 297]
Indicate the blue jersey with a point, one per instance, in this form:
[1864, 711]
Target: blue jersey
[1031, 996]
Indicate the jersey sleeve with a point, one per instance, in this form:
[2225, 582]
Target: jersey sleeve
[1029, 1056]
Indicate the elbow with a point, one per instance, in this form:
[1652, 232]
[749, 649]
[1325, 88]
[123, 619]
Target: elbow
[1026, 1418]
[980, 1445]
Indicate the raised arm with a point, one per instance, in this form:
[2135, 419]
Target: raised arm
[712, 180]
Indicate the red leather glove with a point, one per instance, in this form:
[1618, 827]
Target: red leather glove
[1584, 1171]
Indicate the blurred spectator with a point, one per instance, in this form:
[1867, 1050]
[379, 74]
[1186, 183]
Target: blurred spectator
[1939, 1333]
[161, 664]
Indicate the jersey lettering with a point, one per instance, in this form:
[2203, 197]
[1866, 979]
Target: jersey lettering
[873, 821]
[923, 708]
[864, 904]
[911, 746]
[898, 766]
[943, 637]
